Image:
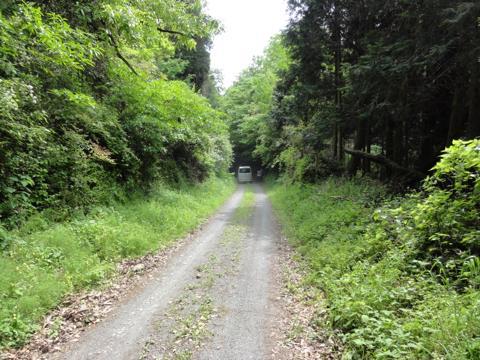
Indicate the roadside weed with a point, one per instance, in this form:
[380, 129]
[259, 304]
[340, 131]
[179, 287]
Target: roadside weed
[386, 292]
[42, 265]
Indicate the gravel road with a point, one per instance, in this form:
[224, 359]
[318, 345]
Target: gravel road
[215, 299]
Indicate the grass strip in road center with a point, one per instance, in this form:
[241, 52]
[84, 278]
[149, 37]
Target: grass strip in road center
[184, 328]
[246, 206]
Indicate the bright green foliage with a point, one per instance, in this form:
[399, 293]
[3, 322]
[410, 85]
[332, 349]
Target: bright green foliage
[37, 43]
[449, 218]
[35, 139]
[141, 25]
[45, 261]
[87, 116]
[249, 101]
[403, 283]
[86, 110]
[174, 131]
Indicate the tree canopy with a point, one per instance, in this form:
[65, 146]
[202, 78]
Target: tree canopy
[95, 96]
[248, 104]
[374, 87]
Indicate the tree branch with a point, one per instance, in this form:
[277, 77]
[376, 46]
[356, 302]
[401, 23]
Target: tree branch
[173, 32]
[380, 159]
[119, 54]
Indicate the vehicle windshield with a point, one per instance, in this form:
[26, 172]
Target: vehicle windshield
[244, 170]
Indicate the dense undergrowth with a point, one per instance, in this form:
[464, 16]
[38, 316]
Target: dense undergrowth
[96, 102]
[42, 261]
[401, 275]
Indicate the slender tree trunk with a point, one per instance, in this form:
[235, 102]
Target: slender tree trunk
[389, 144]
[402, 126]
[366, 162]
[426, 157]
[335, 141]
[337, 41]
[341, 145]
[458, 115]
[359, 144]
[398, 149]
[406, 142]
[473, 128]
[382, 172]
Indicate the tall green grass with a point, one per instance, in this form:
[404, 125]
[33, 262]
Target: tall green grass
[46, 261]
[386, 303]
[244, 210]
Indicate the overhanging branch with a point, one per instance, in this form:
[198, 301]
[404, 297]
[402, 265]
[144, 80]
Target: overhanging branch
[380, 159]
[119, 54]
[173, 32]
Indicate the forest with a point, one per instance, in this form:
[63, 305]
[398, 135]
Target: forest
[370, 87]
[117, 139]
[102, 96]
[375, 91]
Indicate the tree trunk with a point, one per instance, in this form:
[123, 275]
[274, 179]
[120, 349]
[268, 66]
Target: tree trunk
[458, 115]
[398, 149]
[341, 146]
[406, 146]
[389, 145]
[359, 144]
[473, 128]
[337, 43]
[366, 162]
[401, 127]
[426, 158]
[387, 163]
[335, 140]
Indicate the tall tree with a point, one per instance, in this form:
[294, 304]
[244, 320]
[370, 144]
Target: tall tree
[389, 83]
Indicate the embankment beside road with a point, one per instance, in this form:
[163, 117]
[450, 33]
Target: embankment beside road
[43, 262]
[400, 277]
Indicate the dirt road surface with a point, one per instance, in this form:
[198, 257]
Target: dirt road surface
[213, 300]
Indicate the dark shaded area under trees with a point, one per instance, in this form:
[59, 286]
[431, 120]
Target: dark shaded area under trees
[404, 78]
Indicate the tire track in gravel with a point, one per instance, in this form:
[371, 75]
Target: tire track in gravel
[249, 298]
[123, 333]
[214, 300]
[185, 327]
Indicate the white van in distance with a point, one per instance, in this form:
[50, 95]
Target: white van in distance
[244, 174]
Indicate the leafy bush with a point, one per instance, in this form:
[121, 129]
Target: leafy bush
[79, 128]
[447, 222]
[88, 120]
[171, 130]
[33, 46]
[404, 282]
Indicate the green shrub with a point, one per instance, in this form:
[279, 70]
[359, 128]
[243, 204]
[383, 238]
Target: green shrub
[401, 281]
[77, 128]
[447, 222]
[172, 131]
